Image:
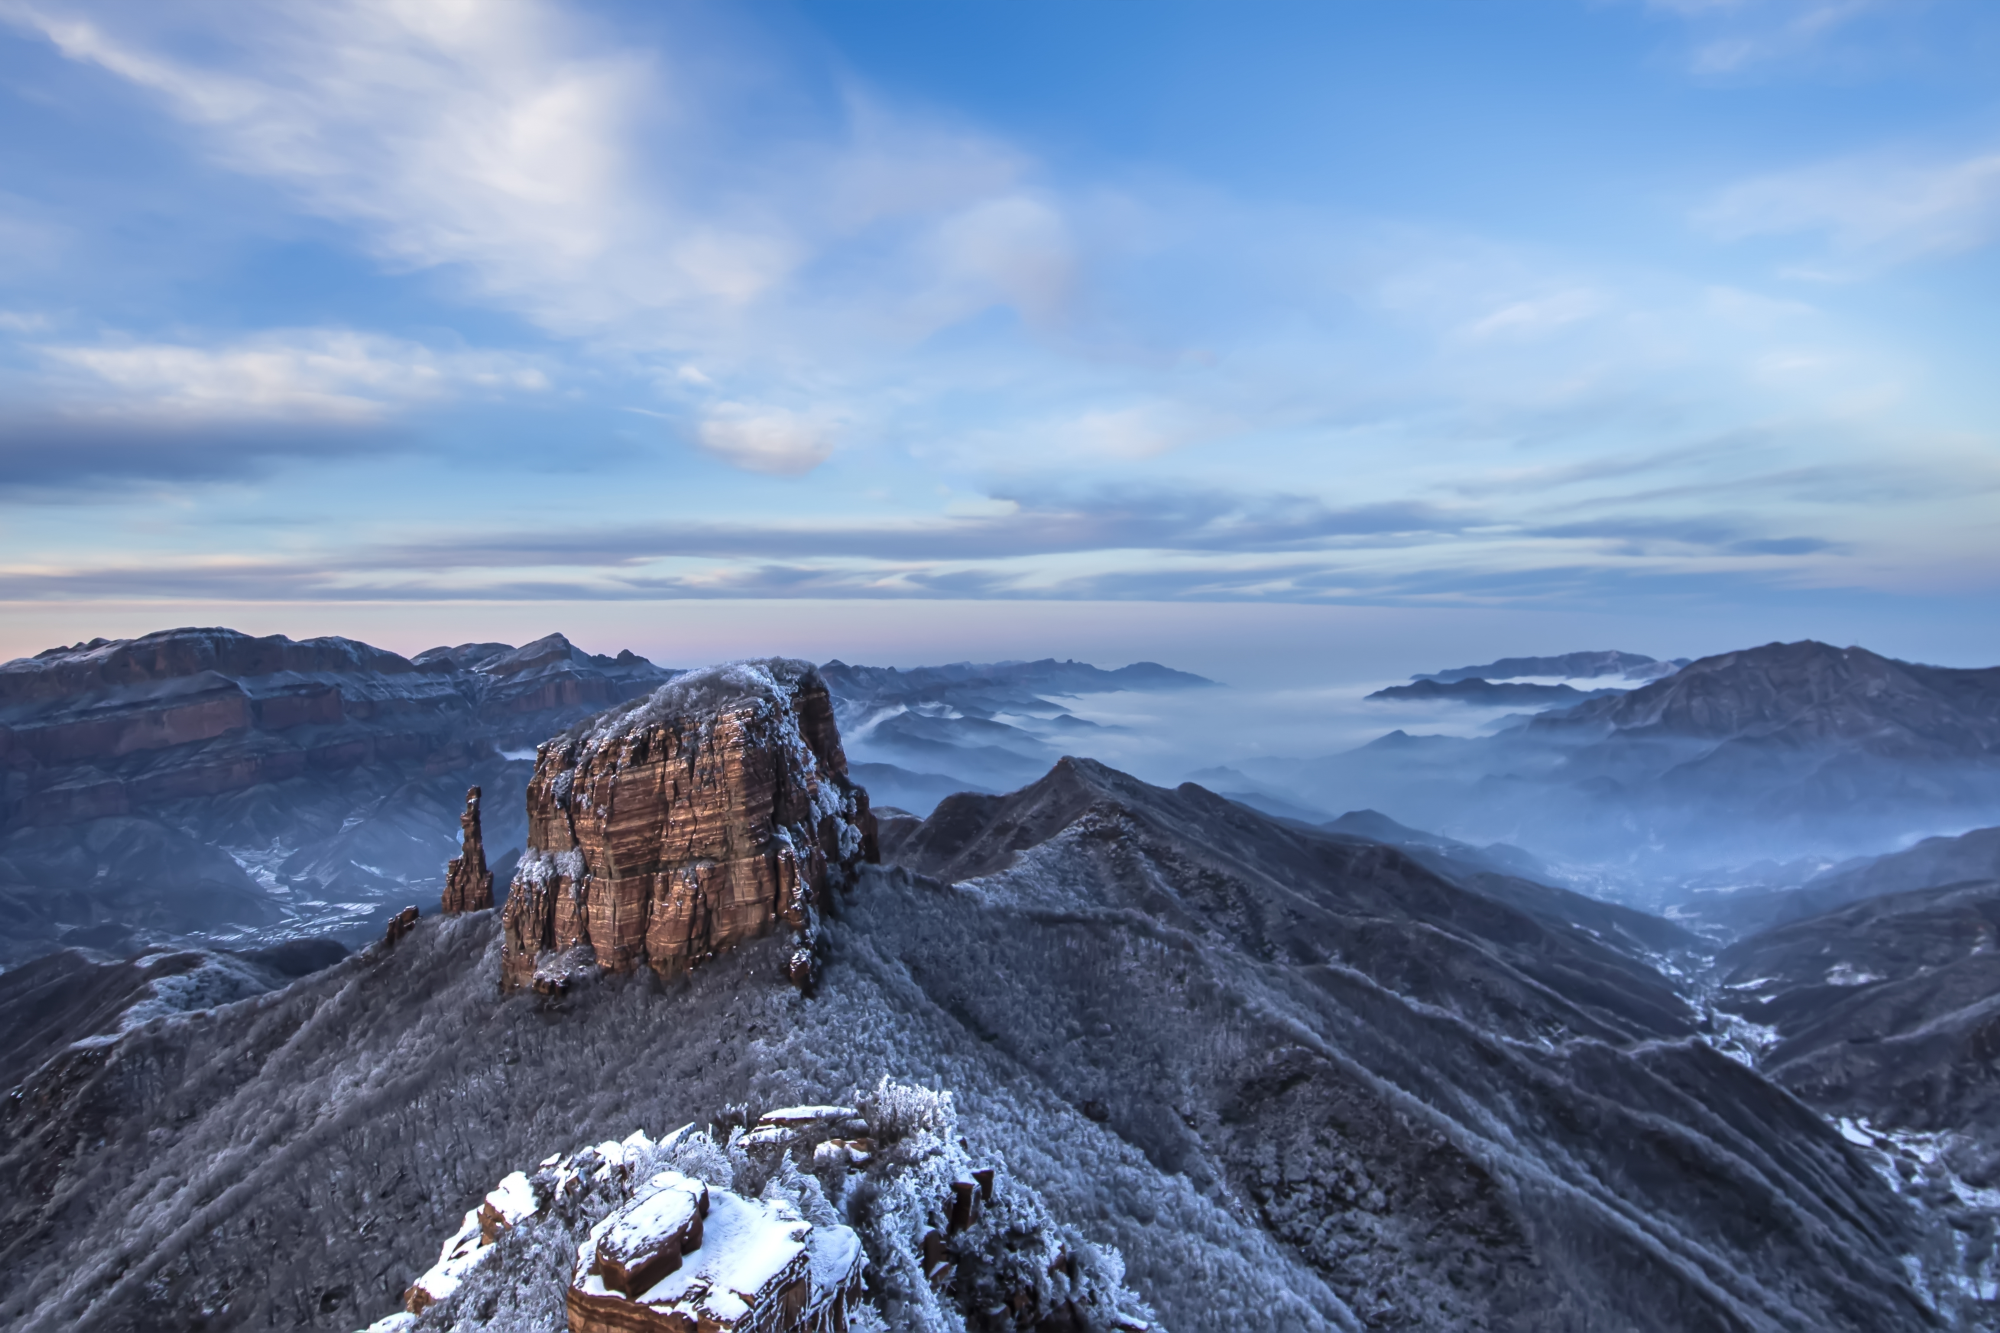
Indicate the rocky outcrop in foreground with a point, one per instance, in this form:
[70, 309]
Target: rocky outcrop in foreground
[786, 1228]
[710, 813]
[468, 884]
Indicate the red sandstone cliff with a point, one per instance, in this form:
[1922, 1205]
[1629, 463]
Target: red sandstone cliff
[710, 813]
[107, 728]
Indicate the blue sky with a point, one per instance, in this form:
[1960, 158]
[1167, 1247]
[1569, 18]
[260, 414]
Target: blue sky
[909, 331]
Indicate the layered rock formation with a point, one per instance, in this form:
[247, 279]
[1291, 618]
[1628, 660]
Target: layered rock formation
[205, 781]
[468, 884]
[108, 727]
[709, 814]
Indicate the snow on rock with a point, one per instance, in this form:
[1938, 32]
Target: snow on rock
[461, 1254]
[644, 1241]
[750, 1268]
[792, 1117]
[505, 1206]
[695, 1235]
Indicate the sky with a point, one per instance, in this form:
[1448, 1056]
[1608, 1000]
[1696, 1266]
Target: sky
[1259, 339]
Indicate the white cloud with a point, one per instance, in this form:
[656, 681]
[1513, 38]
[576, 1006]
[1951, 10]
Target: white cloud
[324, 375]
[1878, 208]
[1138, 431]
[605, 192]
[1747, 33]
[1535, 316]
[453, 133]
[733, 256]
[765, 439]
[1012, 249]
[982, 507]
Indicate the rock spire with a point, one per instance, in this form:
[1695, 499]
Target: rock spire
[468, 884]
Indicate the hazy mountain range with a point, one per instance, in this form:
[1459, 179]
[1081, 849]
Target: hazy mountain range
[1776, 752]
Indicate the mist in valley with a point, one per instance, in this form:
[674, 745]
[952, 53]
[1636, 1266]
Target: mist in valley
[1477, 774]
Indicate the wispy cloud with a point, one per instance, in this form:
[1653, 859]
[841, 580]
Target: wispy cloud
[1176, 545]
[1729, 534]
[105, 417]
[1535, 316]
[1734, 36]
[329, 375]
[104, 455]
[1881, 208]
[1025, 523]
[598, 188]
[767, 439]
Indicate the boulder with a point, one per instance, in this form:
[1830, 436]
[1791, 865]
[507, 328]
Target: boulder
[753, 1265]
[647, 1238]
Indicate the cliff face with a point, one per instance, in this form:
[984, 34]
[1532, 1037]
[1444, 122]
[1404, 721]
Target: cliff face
[202, 780]
[708, 814]
[108, 728]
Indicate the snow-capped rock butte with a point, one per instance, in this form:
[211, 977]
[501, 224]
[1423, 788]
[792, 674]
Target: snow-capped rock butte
[712, 812]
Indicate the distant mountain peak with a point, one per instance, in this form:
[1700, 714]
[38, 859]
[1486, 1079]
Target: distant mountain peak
[1812, 693]
[1575, 666]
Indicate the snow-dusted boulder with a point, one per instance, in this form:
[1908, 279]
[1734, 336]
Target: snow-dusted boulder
[755, 1265]
[644, 1241]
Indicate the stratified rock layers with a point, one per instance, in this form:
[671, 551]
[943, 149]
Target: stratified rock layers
[708, 814]
[468, 884]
